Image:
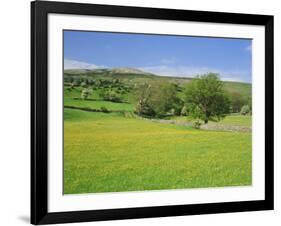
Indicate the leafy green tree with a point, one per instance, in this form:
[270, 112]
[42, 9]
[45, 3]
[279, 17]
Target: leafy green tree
[110, 95]
[236, 101]
[206, 98]
[85, 93]
[159, 99]
[143, 107]
[168, 100]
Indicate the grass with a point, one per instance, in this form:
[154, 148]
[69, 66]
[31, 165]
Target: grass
[111, 153]
[230, 120]
[98, 104]
[236, 120]
[72, 98]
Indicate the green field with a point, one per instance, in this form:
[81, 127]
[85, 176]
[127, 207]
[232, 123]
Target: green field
[231, 120]
[111, 153]
[120, 151]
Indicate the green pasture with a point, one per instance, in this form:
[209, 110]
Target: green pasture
[112, 153]
[236, 120]
[72, 98]
[92, 104]
[229, 120]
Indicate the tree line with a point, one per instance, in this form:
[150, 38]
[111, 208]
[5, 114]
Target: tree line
[205, 99]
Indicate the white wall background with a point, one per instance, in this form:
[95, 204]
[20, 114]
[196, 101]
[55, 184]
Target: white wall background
[15, 113]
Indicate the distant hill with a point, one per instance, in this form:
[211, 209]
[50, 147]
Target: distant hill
[106, 73]
[137, 76]
[127, 70]
[122, 73]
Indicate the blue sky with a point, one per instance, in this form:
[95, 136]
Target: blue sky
[160, 54]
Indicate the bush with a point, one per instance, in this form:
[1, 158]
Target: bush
[104, 109]
[245, 110]
[158, 100]
[197, 124]
[83, 84]
[111, 95]
[76, 83]
[143, 109]
[85, 93]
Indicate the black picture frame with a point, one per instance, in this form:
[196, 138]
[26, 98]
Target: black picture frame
[39, 112]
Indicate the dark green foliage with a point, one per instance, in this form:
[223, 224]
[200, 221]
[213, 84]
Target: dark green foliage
[249, 103]
[76, 83]
[68, 79]
[98, 83]
[164, 100]
[237, 100]
[143, 109]
[84, 84]
[158, 100]
[104, 109]
[206, 98]
[110, 95]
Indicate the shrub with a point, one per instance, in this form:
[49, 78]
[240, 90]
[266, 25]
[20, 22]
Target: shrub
[85, 93]
[143, 109]
[104, 109]
[110, 95]
[197, 124]
[76, 82]
[83, 84]
[159, 99]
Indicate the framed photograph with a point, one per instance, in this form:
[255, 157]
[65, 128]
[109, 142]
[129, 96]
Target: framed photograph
[145, 112]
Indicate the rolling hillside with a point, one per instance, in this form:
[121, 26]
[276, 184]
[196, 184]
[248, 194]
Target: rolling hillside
[132, 75]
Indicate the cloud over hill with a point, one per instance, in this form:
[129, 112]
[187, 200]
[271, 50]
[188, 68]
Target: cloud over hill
[75, 64]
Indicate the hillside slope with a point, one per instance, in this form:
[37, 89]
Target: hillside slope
[137, 76]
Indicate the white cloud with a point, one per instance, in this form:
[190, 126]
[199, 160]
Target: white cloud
[188, 71]
[171, 70]
[74, 64]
